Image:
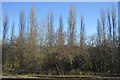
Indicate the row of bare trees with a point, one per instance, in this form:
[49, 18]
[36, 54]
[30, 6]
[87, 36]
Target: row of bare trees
[39, 49]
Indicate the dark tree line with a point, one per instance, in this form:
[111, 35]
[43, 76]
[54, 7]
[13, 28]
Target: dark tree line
[39, 49]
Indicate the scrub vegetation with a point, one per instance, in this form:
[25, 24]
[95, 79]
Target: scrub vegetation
[39, 50]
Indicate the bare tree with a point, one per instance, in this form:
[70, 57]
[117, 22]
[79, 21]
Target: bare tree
[21, 39]
[5, 28]
[71, 25]
[103, 22]
[113, 12]
[33, 26]
[12, 33]
[103, 25]
[60, 33]
[118, 39]
[50, 29]
[119, 49]
[99, 31]
[22, 22]
[33, 41]
[42, 35]
[109, 26]
[82, 32]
